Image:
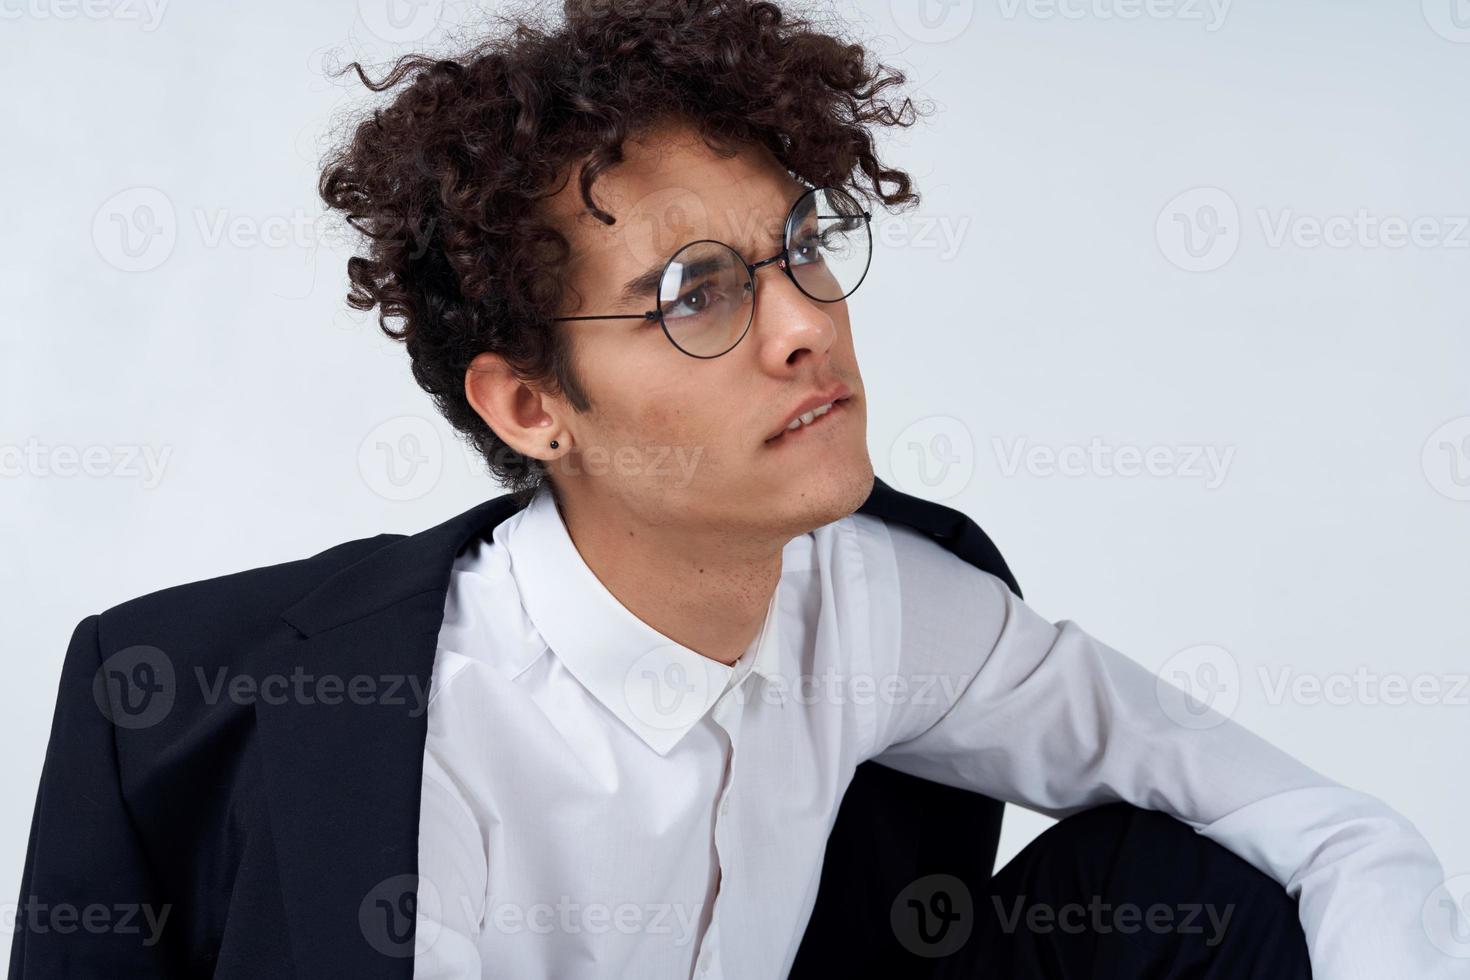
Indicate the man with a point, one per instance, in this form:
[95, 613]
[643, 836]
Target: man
[602, 726]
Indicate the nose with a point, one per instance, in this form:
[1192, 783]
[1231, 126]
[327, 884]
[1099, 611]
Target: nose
[789, 323]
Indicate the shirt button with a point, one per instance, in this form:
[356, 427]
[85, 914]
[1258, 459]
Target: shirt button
[725, 805]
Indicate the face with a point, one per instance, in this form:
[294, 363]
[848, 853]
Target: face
[675, 439]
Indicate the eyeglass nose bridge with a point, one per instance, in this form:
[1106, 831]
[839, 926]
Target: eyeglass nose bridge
[779, 258]
[781, 263]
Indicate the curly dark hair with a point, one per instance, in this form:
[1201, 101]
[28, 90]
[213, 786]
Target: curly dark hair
[444, 181]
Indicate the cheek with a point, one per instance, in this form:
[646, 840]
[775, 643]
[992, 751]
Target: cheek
[667, 414]
[629, 409]
[656, 416]
[677, 418]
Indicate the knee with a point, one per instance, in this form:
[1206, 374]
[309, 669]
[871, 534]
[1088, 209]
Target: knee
[1159, 897]
[1132, 852]
[1150, 857]
[1110, 835]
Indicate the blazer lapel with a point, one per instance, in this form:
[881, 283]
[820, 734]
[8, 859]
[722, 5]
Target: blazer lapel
[342, 736]
[343, 720]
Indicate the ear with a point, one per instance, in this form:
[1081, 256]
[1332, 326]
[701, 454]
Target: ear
[526, 418]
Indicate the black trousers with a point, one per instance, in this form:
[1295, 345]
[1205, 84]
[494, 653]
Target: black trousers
[1114, 891]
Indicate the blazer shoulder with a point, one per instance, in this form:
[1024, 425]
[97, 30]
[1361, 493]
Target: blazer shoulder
[237, 603]
[953, 529]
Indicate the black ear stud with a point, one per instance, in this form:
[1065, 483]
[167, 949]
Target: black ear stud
[553, 444]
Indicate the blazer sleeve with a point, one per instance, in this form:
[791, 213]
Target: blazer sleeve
[88, 904]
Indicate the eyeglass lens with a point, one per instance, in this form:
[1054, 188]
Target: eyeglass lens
[706, 295]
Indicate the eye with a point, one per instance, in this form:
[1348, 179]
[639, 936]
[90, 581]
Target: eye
[694, 302]
[809, 249]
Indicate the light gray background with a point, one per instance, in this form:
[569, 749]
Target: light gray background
[1115, 249]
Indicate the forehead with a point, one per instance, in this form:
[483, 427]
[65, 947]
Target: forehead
[671, 189]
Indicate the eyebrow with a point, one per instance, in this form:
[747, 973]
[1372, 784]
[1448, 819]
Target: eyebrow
[638, 288]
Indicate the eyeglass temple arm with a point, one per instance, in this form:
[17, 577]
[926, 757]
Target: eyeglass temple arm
[650, 315]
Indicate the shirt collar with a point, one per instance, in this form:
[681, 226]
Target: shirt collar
[658, 688]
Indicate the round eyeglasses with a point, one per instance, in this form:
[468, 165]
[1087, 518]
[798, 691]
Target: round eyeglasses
[705, 294]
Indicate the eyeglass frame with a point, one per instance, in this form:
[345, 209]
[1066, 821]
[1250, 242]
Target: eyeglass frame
[782, 258]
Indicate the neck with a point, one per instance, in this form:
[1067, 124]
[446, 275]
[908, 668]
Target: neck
[705, 589]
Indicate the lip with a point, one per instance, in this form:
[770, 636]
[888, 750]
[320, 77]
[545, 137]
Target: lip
[836, 394]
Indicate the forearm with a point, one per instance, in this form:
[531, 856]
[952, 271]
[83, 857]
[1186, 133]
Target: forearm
[1362, 876]
[1056, 720]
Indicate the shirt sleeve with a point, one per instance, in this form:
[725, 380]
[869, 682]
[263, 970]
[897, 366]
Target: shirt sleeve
[1046, 716]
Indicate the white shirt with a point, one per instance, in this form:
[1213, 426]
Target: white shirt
[601, 801]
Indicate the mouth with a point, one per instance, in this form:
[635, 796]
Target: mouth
[821, 417]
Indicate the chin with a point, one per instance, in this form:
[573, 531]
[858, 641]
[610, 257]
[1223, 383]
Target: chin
[827, 496]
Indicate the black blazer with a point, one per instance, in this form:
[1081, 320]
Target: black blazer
[187, 782]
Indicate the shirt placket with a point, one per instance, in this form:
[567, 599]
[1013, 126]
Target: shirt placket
[726, 715]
